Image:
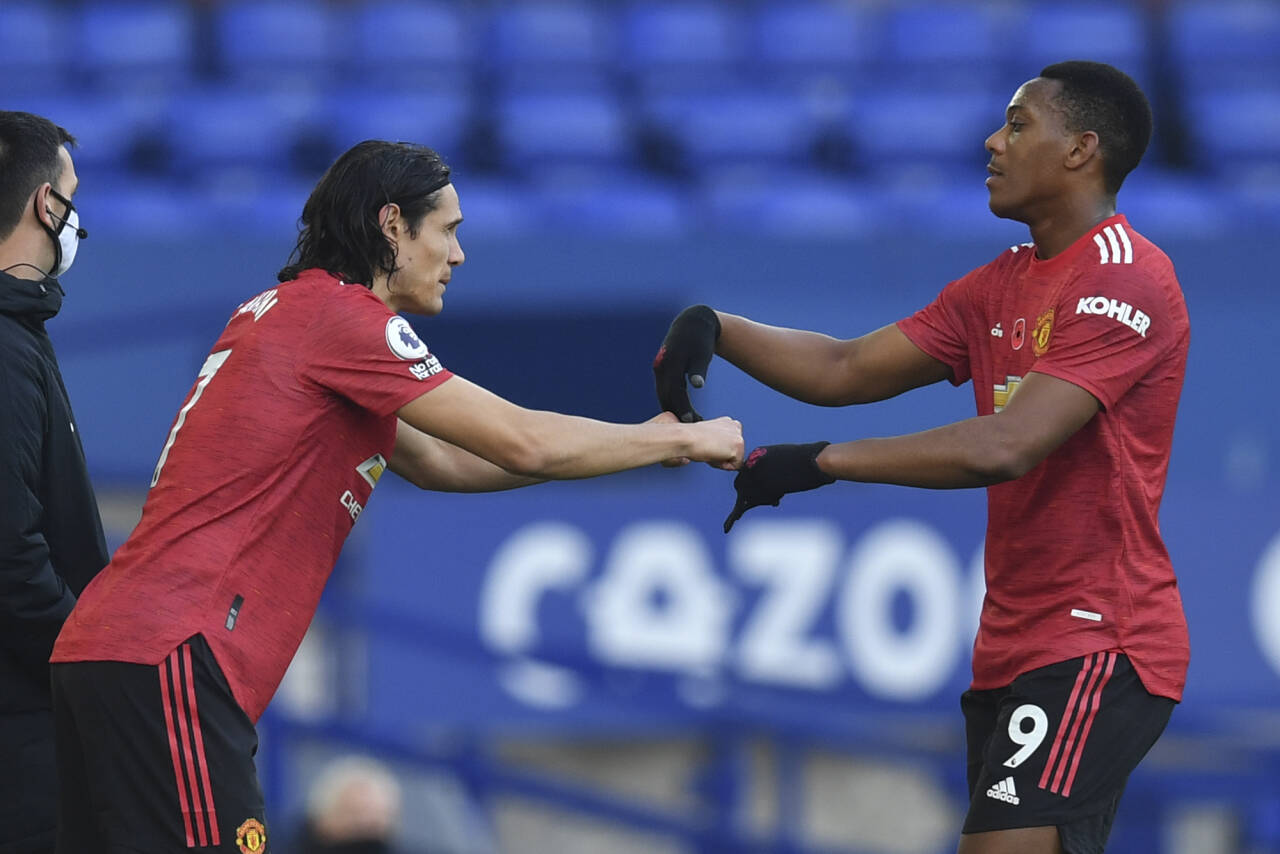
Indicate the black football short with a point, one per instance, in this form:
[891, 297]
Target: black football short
[154, 759]
[1056, 747]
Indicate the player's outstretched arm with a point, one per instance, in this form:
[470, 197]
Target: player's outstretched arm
[808, 366]
[548, 445]
[1044, 413]
[826, 371]
[434, 464]
[431, 463]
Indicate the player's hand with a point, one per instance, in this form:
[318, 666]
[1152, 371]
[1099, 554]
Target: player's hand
[686, 351]
[772, 471]
[718, 443]
[669, 418]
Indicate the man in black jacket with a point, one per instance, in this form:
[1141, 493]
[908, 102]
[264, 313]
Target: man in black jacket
[51, 541]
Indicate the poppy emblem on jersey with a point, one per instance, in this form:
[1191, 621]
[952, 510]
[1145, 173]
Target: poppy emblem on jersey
[403, 341]
[1041, 334]
[251, 837]
[1019, 333]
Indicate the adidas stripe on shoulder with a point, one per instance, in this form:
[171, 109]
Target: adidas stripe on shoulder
[1114, 246]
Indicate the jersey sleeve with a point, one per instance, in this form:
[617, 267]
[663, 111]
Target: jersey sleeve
[1110, 329]
[939, 329]
[360, 350]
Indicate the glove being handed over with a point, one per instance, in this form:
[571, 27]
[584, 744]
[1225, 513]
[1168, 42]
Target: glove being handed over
[772, 471]
[687, 350]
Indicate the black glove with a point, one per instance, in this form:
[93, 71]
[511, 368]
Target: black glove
[772, 471]
[687, 349]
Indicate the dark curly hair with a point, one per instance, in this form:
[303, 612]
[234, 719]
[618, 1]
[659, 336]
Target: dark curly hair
[1098, 97]
[339, 229]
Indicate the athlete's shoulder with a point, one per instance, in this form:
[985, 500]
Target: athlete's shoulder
[1118, 244]
[1117, 256]
[351, 296]
[1018, 255]
[317, 293]
[996, 271]
[1126, 277]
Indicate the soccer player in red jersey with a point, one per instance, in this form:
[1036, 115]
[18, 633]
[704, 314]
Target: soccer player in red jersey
[315, 388]
[1076, 344]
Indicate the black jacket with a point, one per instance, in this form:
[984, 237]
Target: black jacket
[51, 541]
[51, 545]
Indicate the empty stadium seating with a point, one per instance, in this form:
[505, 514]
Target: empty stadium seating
[897, 94]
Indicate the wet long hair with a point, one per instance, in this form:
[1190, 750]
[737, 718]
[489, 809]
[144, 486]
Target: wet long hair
[339, 231]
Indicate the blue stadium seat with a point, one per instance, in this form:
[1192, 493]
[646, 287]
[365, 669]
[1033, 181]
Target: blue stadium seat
[1258, 201]
[1236, 131]
[1162, 205]
[493, 207]
[1111, 32]
[143, 43]
[550, 43]
[108, 131]
[1234, 43]
[437, 119]
[431, 40]
[955, 207]
[614, 203]
[222, 129]
[941, 44]
[537, 129]
[278, 42]
[265, 205]
[798, 40]
[789, 203]
[33, 50]
[113, 204]
[549, 32]
[896, 129]
[734, 126]
[683, 45]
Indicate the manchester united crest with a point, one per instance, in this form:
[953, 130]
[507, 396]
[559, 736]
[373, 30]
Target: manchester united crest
[251, 837]
[1041, 334]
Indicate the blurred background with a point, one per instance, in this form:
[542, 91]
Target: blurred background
[586, 667]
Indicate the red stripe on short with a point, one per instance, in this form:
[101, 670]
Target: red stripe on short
[1088, 723]
[184, 801]
[1077, 721]
[201, 763]
[184, 731]
[1065, 723]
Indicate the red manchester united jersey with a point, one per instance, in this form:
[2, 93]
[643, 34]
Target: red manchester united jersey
[265, 470]
[1074, 559]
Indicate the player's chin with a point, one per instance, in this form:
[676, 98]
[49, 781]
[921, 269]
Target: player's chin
[1002, 207]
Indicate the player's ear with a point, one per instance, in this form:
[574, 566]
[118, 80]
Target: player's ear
[389, 219]
[1084, 148]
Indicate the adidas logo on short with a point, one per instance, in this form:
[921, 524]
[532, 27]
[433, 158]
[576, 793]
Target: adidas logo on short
[1004, 791]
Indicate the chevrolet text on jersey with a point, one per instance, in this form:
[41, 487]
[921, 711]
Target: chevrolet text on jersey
[1121, 311]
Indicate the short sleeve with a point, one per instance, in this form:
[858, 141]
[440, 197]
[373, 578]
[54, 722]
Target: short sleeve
[939, 329]
[362, 351]
[1109, 330]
